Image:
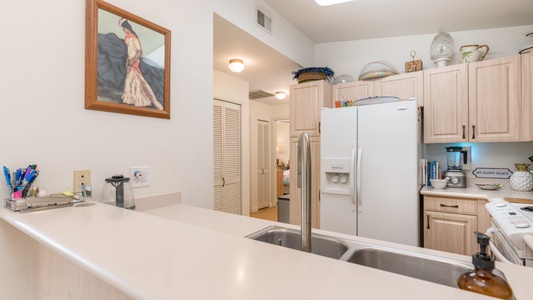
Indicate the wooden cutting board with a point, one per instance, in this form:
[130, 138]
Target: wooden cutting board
[519, 200]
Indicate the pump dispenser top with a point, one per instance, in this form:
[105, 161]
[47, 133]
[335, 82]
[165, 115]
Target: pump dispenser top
[482, 280]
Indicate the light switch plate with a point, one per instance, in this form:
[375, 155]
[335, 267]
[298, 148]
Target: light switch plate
[139, 176]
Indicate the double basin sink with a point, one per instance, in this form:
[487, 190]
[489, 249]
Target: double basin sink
[425, 267]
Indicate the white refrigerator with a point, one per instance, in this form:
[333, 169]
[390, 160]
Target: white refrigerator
[369, 174]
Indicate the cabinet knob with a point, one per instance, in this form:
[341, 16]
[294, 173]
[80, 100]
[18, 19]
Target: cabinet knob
[464, 131]
[473, 132]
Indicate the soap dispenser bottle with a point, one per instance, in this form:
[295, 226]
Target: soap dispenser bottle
[482, 280]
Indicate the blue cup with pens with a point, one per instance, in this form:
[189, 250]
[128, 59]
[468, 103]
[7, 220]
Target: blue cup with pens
[19, 182]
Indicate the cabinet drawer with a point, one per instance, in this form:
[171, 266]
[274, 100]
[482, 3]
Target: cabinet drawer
[451, 205]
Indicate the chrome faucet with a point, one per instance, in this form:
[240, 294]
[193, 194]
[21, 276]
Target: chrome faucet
[304, 183]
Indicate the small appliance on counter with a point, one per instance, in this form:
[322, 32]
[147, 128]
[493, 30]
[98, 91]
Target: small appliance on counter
[118, 192]
[454, 172]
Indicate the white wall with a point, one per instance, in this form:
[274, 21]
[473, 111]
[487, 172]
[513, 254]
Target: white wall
[42, 82]
[350, 57]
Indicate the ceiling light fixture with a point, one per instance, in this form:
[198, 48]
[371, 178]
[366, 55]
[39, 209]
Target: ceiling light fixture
[281, 95]
[236, 65]
[330, 2]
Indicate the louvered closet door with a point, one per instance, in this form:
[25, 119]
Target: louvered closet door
[227, 156]
[263, 164]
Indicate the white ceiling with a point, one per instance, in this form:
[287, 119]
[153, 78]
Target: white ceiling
[268, 70]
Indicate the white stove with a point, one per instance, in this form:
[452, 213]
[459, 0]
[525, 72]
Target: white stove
[510, 223]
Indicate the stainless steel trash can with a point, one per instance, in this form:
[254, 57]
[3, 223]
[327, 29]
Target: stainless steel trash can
[284, 208]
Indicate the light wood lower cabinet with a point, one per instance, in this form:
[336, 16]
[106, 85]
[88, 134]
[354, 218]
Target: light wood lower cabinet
[450, 232]
[450, 223]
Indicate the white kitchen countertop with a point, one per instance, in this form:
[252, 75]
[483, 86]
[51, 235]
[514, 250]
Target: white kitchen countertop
[476, 193]
[183, 252]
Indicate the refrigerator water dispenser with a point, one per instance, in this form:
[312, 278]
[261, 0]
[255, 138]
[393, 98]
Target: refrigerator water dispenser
[337, 173]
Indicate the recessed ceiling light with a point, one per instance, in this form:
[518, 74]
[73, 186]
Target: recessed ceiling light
[330, 2]
[236, 65]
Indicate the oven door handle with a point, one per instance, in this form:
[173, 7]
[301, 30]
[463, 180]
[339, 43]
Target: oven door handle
[494, 249]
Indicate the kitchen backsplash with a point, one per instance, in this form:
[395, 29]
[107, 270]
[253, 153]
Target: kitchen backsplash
[484, 155]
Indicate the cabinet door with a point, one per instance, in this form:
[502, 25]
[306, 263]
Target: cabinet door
[450, 232]
[494, 100]
[295, 191]
[527, 96]
[353, 90]
[306, 101]
[446, 104]
[404, 86]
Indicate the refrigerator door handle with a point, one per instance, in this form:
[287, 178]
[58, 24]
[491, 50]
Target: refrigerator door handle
[358, 185]
[353, 162]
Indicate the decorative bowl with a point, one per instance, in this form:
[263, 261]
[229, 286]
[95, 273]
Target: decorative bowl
[439, 184]
[490, 186]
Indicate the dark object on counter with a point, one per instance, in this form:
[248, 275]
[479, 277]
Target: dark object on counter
[118, 192]
[482, 280]
[531, 158]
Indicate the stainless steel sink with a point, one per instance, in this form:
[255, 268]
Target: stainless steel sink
[431, 268]
[425, 267]
[289, 238]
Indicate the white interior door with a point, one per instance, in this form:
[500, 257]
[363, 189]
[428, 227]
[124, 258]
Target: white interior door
[227, 156]
[263, 164]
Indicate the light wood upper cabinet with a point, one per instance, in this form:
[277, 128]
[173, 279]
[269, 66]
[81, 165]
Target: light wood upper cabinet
[306, 101]
[527, 96]
[446, 104]
[404, 86]
[476, 102]
[494, 100]
[353, 90]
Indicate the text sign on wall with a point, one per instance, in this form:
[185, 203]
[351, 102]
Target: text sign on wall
[501, 173]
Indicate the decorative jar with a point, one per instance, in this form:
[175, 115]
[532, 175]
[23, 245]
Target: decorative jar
[522, 180]
[442, 49]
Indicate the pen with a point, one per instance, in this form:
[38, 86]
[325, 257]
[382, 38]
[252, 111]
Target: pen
[8, 178]
[26, 188]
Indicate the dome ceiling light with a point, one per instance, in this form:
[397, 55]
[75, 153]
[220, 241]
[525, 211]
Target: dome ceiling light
[281, 95]
[236, 65]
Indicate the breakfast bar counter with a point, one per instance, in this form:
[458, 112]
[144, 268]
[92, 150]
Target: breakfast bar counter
[184, 252]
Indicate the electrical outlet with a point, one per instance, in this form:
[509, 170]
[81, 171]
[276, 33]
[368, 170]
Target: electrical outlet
[139, 176]
[81, 176]
[468, 156]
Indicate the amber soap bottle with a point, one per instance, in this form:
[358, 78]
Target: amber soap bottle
[482, 280]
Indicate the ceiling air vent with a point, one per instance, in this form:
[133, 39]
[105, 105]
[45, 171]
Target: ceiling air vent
[258, 94]
[263, 21]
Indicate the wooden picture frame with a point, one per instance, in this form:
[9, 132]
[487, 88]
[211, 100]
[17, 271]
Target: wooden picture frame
[116, 78]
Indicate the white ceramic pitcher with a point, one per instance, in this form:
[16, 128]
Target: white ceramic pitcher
[470, 53]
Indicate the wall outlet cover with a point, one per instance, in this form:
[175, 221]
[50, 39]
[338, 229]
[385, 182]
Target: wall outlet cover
[139, 176]
[81, 176]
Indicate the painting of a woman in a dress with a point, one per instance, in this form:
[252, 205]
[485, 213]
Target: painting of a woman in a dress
[137, 91]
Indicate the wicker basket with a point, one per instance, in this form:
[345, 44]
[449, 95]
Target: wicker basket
[311, 76]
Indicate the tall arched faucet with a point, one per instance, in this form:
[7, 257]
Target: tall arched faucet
[304, 183]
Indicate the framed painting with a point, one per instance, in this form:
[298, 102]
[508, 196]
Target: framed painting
[127, 63]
